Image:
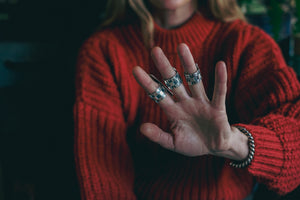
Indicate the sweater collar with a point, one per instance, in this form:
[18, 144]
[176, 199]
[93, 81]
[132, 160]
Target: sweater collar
[193, 32]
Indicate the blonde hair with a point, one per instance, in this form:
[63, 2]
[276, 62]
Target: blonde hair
[122, 11]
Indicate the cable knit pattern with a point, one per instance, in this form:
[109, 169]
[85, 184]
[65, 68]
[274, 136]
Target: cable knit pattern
[115, 161]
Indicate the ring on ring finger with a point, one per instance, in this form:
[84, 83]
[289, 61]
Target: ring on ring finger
[193, 78]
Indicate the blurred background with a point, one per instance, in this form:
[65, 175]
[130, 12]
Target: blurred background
[39, 42]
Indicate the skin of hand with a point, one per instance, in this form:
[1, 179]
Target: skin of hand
[199, 126]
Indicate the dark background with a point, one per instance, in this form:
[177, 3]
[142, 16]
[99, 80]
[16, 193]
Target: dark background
[39, 42]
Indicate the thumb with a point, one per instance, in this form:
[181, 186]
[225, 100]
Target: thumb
[157, 135]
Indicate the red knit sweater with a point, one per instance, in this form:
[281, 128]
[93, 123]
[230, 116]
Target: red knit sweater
[114, 161]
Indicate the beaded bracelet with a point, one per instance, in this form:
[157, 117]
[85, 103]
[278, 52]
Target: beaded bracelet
[247, 161]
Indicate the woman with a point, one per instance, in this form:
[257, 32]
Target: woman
[202, 138]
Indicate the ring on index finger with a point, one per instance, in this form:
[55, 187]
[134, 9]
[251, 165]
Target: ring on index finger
[193, 78]
[160, 93]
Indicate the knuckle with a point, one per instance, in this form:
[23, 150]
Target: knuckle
[170, 144]
[160, 136]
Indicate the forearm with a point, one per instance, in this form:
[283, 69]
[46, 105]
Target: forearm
[104, 173]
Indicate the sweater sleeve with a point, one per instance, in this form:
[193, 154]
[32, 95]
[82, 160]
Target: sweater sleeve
[103, 160]
[267, 100]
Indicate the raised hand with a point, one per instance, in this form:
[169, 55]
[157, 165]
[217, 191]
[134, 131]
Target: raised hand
[199, 126]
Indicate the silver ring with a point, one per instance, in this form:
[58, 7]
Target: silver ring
[173, 82]
[193, 78]
[159, 94]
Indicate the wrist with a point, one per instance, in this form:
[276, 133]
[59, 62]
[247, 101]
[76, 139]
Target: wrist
[238, 146]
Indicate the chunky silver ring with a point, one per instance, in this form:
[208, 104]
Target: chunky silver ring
[173, 82]
[159, 94]
[193, 78]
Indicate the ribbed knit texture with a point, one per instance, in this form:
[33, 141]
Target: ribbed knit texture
[114, 161]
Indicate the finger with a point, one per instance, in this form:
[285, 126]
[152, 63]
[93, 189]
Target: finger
[189, 65]
[150, 86]
[166, 70]
[157, 135]
[220, 87]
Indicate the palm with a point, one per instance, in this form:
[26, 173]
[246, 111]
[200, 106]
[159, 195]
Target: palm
[198, 126]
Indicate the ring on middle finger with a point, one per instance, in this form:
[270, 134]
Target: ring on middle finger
[173, 82]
